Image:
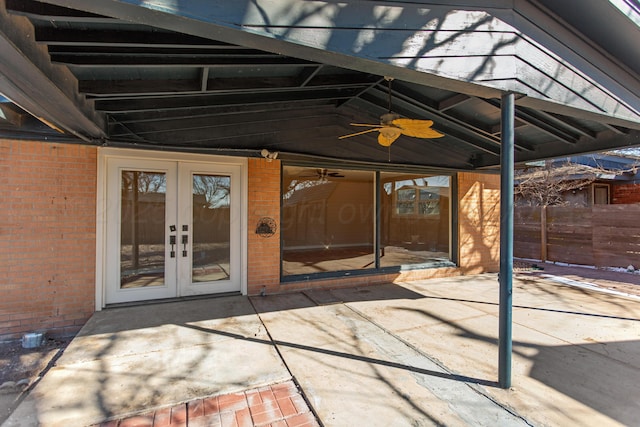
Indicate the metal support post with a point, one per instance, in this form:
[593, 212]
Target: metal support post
[506, 239]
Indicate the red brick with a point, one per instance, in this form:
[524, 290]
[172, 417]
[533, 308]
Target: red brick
[243, 418]
[267, 394]
[162, 417]
[283, 390]
[212, 420]
[232, 402]
[303, 420]
[179, 414]
[195, 409]
[112, 423]
[210, 405]
[265, 413]
[228, 419]
[253, 397]
[287, 408]
[137, 421]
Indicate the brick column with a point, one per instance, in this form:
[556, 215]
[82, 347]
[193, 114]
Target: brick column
[263, 201]
[479, 222]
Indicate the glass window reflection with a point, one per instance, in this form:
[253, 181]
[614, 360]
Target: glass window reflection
[329, 221]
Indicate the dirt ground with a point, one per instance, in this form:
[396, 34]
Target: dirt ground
[21, 368]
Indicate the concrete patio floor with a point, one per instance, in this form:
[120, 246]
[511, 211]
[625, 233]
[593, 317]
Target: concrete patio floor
[423, 353]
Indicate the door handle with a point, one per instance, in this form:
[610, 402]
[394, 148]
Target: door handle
[172, 242]
[185, 242]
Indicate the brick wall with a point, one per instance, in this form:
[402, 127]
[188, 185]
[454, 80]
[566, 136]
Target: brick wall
[47, 237]
[479, 222]
[625, 193]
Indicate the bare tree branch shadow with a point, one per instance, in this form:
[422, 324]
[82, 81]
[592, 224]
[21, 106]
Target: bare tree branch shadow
[341, 354]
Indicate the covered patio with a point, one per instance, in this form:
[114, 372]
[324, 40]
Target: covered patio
[506, 83]
[397, 354]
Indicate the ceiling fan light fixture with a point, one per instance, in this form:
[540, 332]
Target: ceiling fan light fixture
[390, 132]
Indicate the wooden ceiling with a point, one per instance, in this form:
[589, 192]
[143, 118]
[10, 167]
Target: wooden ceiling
[119, 73]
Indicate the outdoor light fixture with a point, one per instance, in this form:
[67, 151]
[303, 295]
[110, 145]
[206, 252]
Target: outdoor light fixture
[269, 155]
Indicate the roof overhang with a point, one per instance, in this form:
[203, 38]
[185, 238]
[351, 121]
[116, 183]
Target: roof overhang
[294, 74]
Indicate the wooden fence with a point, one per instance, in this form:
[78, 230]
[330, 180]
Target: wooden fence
[602, 235]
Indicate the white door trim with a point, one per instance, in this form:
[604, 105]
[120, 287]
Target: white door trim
[105, 153]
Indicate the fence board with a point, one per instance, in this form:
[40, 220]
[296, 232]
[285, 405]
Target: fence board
[610, 259]
[602, 235]
[527, 250]
[570, 254]
[619, 215]
[631, 234]
[526, 232]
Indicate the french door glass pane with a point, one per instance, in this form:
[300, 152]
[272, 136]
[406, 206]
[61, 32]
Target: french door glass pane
[211, 227]
[142, 232]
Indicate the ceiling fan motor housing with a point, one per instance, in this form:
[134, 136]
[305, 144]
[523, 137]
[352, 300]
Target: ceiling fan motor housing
[388, 118]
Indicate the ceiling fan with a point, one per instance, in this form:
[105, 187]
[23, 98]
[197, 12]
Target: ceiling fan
[322, 174]
[392, 126]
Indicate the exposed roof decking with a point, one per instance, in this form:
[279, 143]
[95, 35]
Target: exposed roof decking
[290, 76]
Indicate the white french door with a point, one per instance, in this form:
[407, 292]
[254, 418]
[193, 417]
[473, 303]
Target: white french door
[172, 229]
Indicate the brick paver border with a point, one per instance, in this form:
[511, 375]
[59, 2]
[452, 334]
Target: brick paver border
[276, 405]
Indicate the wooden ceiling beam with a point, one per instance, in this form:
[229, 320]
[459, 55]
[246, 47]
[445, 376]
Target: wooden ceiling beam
[49, 12]
[453, 101]
[529, 117]
[306, 118]
[46, 92]
[168, 60]
[127, 38]
[9, 115]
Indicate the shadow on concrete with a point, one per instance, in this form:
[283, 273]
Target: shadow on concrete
[315, 297]
[597, 374]
[158, 313]
[550, 310]
[363, 359]
[586, 375]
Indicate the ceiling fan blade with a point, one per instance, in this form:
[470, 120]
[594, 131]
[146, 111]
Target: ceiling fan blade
[335, 175]
[426, 133]
[358, 133]
[412, 123]
[417, 128]
[366, 125]
[386, 139]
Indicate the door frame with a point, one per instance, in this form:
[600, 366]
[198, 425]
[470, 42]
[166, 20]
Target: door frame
[102, 206]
